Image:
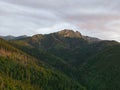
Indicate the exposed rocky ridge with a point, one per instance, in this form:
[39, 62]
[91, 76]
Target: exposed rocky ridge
[69, 33]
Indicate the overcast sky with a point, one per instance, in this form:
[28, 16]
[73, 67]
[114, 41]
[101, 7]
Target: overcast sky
[98, 18]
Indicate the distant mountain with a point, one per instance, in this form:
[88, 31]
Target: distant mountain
[21, 37]
[9, 37]
[91, 39]
[64, 60]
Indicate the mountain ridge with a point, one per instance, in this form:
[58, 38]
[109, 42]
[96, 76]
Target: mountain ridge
[64, 60]
[67, 33]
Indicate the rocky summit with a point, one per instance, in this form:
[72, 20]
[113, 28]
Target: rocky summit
[69, 33]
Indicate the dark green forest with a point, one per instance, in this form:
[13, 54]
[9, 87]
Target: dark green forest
[63, 60]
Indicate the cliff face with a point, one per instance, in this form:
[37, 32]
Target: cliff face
[69, 33]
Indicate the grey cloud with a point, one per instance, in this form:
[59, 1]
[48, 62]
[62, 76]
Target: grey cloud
[91, 17]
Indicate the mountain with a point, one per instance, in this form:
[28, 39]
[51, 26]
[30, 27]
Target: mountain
[64, 60]
[10, 37]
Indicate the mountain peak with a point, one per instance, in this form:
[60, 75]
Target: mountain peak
[70, 33]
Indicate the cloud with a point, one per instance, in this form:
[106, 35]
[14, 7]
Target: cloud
[99, 18]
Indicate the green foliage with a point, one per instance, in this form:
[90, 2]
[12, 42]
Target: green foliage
[19, 71]
[101, 72]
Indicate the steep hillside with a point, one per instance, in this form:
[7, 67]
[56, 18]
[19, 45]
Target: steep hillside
[20, 71]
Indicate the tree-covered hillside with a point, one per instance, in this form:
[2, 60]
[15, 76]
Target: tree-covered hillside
[102, 71]
[20, 71]
[64, 60]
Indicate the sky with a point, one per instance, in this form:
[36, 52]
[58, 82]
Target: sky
[96, 18]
